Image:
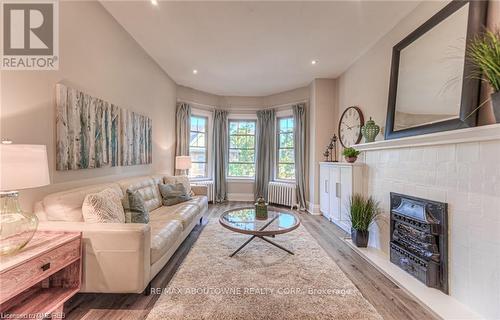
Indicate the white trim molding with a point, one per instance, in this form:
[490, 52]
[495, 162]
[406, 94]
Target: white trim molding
[475, 134]
[240, 197]
[313, 208]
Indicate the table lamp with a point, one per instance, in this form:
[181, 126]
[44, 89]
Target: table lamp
[22, 166]
[183, 163]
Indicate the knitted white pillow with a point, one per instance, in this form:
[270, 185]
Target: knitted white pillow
[103, 207]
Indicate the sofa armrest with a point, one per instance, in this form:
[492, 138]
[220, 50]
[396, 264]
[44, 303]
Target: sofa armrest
[199, 190]
[116, 256]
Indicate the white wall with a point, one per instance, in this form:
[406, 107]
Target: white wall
[366, 82]
[99, 57]
[464, 175]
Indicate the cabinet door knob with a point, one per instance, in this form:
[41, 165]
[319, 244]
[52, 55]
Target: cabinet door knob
[337, 190]
[46, 266]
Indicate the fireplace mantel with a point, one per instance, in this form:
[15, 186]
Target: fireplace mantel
[482, 133]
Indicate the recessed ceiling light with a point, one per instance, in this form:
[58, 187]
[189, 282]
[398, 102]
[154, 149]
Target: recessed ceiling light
[195, 71]
[154, 2]
[314, 62]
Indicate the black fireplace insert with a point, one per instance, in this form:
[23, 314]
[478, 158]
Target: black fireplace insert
[419, 239]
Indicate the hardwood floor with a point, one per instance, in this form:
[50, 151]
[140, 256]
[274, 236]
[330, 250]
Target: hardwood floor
[389, 300]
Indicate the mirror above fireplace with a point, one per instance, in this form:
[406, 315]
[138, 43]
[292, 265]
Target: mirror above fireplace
[432, 88]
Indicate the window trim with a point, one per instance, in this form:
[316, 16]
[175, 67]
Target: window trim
[287, 115]
[207, 147]
[240, 119]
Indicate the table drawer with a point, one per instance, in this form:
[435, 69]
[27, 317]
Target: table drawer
[24, 276]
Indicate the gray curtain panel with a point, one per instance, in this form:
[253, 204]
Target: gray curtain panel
[265, 155]
[299, 118]
[220, 152]
[182, 126]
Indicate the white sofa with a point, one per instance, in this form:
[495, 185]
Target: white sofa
[124, 257]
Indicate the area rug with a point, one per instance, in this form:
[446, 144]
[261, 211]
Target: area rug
[260, 282]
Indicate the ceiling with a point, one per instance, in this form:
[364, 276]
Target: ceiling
[256, 48]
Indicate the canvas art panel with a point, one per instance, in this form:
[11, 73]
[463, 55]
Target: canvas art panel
[93, 133]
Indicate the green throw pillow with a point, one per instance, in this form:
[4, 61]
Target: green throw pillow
[139, 213]
[173, 194]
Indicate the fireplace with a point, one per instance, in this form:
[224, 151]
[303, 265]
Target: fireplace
[419, 239]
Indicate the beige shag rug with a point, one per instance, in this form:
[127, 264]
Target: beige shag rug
[259, 282]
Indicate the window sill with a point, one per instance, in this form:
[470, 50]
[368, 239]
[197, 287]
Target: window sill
[285, 181]
[199, 179]
[240, 180]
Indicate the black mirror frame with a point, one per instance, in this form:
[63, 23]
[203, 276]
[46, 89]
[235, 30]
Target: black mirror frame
[470, 87]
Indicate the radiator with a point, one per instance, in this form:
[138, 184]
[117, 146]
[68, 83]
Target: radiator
[210, 186]
[283, 193]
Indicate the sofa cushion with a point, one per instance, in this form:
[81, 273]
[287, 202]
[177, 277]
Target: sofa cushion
[164, 234]
[67, 205]
[179, 179]
[139, 213]
[173, 194]
[147, 187]
[103, 207]
[185, 212]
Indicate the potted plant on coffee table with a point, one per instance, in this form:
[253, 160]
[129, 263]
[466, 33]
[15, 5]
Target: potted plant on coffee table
[350, 154]
[362, 212]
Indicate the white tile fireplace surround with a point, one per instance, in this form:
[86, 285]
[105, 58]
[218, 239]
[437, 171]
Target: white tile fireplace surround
[461, 168]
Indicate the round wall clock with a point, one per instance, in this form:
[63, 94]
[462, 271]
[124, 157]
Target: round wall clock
[350, 125]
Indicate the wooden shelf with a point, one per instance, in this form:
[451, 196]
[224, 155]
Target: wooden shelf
[45, 301]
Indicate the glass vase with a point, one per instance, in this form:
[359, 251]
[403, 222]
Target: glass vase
[16, 227]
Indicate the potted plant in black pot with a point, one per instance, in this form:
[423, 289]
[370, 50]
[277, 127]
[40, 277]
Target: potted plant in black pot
[484, 53]
[362, 212]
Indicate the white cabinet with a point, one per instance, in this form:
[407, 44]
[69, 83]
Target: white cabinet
[339, 181]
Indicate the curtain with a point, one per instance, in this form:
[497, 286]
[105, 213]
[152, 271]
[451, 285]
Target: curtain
[265, 149]
[299, 118]
[182, 128]
[220, 152]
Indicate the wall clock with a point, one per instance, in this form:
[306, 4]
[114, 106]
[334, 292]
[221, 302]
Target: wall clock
[350, 125]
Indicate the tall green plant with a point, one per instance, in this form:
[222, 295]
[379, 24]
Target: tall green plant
[363, 211]
[484, 52]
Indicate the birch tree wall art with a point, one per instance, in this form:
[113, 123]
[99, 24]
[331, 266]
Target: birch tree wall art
[93, 133]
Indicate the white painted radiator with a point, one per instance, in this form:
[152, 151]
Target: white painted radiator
[210, 186]
[283, 193]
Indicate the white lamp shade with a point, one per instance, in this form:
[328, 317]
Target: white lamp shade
[183, 162]
[23, 166]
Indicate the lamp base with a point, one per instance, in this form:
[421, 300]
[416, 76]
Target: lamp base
[16, 227]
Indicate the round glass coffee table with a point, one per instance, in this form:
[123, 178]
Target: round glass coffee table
[243, 220]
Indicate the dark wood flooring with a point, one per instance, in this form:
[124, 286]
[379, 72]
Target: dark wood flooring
[389, 300]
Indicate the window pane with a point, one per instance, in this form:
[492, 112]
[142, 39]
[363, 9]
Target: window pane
[286, 155]
[198, 170]
[201, 124]
[286, 140]
[243, 142]
[198, 154]
[238, 155]
[233, 127]
[197, 140]
[286, 171]
[241, 170]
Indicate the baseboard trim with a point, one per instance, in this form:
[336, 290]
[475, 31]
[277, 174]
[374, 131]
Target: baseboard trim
[313, 209]
[240, 197]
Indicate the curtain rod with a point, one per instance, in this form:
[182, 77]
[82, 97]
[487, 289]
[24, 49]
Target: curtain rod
[242, 108]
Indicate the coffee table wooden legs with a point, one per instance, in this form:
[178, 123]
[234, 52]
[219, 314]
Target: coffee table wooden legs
[261, 237]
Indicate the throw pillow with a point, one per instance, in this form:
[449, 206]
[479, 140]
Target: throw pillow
[103, 207]
[139, 213]
[173, 194]
[180, 179]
